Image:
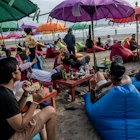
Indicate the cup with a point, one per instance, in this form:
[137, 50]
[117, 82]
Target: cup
[50, 88]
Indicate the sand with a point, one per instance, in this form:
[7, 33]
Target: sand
[74, 124]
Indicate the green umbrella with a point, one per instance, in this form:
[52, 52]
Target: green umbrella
[16, 9]
[9, 26]
[80, 25]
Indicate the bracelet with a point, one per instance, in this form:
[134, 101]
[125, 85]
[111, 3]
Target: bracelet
[25, 95]
[35, 102]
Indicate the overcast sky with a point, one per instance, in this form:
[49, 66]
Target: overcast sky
[45, 7]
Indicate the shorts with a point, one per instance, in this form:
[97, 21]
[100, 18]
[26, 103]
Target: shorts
[27, 134]
[101, 83]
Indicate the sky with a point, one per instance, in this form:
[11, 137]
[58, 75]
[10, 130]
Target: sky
[45, 7]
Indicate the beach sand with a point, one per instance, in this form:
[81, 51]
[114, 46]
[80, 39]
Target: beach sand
[74, 124]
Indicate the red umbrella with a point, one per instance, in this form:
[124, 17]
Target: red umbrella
[135, 17]
[129, 19]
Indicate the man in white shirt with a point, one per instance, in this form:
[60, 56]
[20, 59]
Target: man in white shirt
[42, 75]
[109, 41]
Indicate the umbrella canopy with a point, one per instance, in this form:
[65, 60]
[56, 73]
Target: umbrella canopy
[129, 19]
[51, 27]
[89, 10]
[85, 10]
[9, 26]
[24, 26]
[16, 9]
[80, 25]
[14, 35]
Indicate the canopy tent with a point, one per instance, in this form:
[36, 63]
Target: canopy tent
[23, 26]
[89, 10]
[11, 10]
[80, 25]
[51, 27]
[9, 26]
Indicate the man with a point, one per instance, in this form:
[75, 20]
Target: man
[99, 43]
[109, 41]
[70, 41]
[14, 125]
[103, 82]
[133, 43]
[70, 59]
[45, 76]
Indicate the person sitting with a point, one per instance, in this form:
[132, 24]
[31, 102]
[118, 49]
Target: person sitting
[133, 43]
[103, 82]
[99, 43]
[45, 76]
[109, 42]
[13, 124]
[70, 59]
[22, 55]
[89, 42]
[85, 60]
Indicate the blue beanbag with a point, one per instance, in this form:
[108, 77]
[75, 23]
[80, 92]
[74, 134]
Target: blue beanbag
[36, 137]
[116, 116]
[35, 65]
[136, 83]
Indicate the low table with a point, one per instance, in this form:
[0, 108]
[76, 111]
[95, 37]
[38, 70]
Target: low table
[71, 84]
[50, 95]
[102, 67]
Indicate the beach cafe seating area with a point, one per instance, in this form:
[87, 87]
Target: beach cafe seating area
[98, 116]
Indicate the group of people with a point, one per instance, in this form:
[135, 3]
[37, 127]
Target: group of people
[14, 123]
[109, 42]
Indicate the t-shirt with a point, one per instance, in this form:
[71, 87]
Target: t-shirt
[9, 107]
[30, 42]
[110, 41]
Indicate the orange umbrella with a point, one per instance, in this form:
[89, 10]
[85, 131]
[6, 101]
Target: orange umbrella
[51, 27]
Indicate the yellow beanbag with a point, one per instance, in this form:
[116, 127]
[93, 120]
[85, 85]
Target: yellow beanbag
[78, 55]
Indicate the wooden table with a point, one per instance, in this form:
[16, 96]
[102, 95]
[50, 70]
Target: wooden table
[102, 67]
[71, 84]
[50, 95]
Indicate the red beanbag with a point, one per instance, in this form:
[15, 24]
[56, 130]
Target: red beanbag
[125, 53]
[50, 53]
[97, 49]
[12, 49]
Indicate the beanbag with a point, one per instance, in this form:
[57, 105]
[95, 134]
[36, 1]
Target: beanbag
[126, 54]
[50, 53]
[78, 55]
[59, 44]
[41, 52]
[97, 49]
[36, 137]
[79, 46]
[136, 83]
[116, 115]
[41, 63]
[12, 49]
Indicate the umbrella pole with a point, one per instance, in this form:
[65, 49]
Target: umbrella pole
[3, 43]
[94, 57]
[137, 31]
